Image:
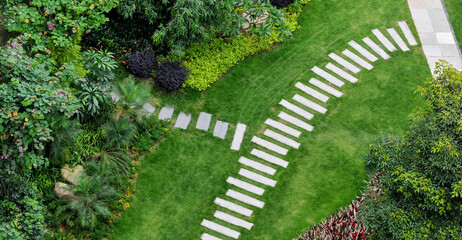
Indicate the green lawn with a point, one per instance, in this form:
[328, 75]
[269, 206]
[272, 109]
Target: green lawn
[178, 183]
[454, 8]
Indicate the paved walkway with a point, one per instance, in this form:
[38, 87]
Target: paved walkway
[280, 136]
[435, 32]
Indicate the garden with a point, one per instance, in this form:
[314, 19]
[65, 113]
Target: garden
[85, 156]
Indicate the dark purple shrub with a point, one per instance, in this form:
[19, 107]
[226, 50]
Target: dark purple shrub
[281, 3]
[171, 75]
[142, 63]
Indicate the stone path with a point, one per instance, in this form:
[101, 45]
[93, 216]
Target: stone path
[203, 122]
[278, 137]
[220, 129]
[435, 32]
[183, 120]
[166, 113]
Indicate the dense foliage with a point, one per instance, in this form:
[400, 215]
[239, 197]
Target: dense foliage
[142, 63]
[281, 3]
[171, 75]
[421, 177]
[30, 95]
[21, 208]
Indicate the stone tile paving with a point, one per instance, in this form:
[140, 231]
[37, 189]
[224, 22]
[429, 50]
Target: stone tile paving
[344, 63]
[203, 123]
[220, 129]
[245, 186]
[435, 32]
[376, 48]
[283, 128]
[310, 104]
[281, 138]
[238, 136]
[233, 207]
[257, 177]
[321, 97]
[384, 40]
[325, 87]
[398, 40]
[269, 145]
[357, 59]
[233, 220]
[257, 166]
[296, 109]
[221, 229]
[183, 120]
[166, 113]
[371, 57]
[341, 73]
[327, 76]
[245, 199]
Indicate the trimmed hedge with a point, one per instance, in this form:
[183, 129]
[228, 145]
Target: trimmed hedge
[207, 62]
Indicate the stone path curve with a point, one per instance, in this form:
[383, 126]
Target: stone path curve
[249, 184]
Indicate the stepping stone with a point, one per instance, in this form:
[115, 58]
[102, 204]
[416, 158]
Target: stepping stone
[257, 166]
[114, 96]
[220, 129]
[407, 33]
[207, 236]
[245, 186]
[203, 122]
[238, 136]
[327, 76]
[341, 73]
[398, 40]
[269, 158]
[309, 103]
[233, 220]
[281, 138]
[326, 87]
[344, 63]
[388, 45]
[233, 207]
[295, 121]
[361, 62]
[148, 109]
[245, 199]
[376, 48]
[269, 145]
[296, 109]
[321, 97]
[257, 177]
[220, 229]
[371, 57]
[283, 128]
[166, 113]
[183, 120]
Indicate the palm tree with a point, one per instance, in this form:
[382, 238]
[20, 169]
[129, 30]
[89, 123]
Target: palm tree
[64, 133]
[119, 132]
[90, 202]
[133, 96]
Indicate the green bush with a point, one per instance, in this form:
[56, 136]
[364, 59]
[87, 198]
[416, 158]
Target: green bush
[207, 62]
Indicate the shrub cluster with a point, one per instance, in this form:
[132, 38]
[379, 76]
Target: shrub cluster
[171, 75]
[207, 62]
[281, 3]
[142, 63]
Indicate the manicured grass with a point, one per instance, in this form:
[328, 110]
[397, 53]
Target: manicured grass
[454, 8]
[178, 183]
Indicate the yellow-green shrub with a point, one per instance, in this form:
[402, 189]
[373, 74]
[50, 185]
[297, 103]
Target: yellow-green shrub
[207, 62]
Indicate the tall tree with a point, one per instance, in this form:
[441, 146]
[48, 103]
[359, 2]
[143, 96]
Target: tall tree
[421, 174]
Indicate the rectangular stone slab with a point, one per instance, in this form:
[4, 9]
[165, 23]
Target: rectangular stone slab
[344, 63]
[238, 136]
[327, 76]
[203, 122]
[166, 113]
[376, 48]
[220, 129]
[257, 177]
[207, 236]
[326, 87]
[183, 120]
[407, 33]
[269, 145]
[371, 57]
[245, 199]
[296, 109]
[295, 121]
[321, 97]
[148, 109]
[257, 166]
[283, 128]
[245, 186]
[341, 73]
[398, 40]
[220, 229]
[310, 104]
[388, 45]
[361, 62]
[269, 158]
[281, 138]
[233, 207]
[233, 220]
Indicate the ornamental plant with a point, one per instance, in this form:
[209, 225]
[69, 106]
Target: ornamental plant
[30, 94]
[171, 75]
[142, 63]
[53, 21]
